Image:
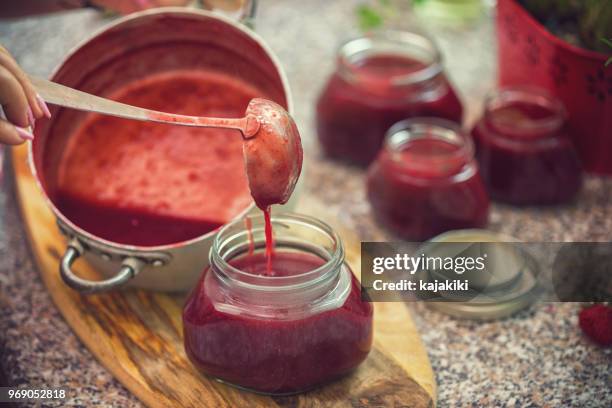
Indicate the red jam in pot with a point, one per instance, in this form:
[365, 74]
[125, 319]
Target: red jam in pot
[379, 81]
[426, 181]
[151, 184]
[524, 149]
[281, 329]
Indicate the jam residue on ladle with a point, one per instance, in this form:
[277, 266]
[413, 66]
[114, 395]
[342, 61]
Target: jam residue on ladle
[273, 159]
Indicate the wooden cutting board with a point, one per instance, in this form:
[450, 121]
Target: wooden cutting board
[137, 335]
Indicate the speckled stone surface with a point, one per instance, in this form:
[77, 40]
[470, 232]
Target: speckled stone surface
[536, 358]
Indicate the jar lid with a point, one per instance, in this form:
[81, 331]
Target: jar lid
[506, 284]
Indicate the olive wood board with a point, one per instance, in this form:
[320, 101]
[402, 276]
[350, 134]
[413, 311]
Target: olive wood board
[137, 335]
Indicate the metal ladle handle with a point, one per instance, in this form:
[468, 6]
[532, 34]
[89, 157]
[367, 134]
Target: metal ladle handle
[130, 267]
[58, 94]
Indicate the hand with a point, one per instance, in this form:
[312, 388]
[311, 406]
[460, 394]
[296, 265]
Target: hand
[20, 102]
[130, 6]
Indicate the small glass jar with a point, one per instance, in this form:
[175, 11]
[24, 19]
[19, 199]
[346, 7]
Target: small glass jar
[524, 149]
[283, 332]
[380, 80]
[425, 181]
[243, 11]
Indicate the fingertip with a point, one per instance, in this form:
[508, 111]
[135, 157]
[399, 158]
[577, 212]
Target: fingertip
[24, 134]
[43, 106]
[34, 105]
[33, 100]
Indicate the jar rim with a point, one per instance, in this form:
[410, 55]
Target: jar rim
[349, 50]
[408, 130]
[314, 277]
[535, 128]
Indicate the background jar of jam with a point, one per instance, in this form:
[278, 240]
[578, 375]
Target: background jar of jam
[280, 329]
[380, 80]
[425, 180]
[524, 149]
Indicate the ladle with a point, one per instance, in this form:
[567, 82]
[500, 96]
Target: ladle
[67, 97]
[272, 147]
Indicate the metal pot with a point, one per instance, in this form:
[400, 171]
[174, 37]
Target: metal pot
[144, 43]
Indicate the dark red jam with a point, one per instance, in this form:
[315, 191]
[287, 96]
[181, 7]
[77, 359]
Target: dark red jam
[378, 82]
[524, 149]
[426, 181]
[132, 226]
[278, 353]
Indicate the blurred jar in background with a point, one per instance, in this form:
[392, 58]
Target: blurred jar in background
[524, 149]
[379, 80]
[241, 10]
[131, 6]
[425, 181]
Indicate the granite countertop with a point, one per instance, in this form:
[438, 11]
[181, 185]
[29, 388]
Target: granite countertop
[538, 357]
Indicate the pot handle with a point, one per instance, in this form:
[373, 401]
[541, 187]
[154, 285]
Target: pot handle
[129, 268]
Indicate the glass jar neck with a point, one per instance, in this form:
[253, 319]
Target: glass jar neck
[391, 62]
[429, 148]
[322, 288]
[523, 114]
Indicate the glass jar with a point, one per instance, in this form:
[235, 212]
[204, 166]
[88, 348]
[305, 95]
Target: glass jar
[283, 332]
[425, 180]
[380, 80]
[243, 10]
[524, 149]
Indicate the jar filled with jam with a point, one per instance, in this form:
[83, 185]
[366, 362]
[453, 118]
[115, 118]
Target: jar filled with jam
[280, 324]
[425, 181]
[379, 80]
[524, 149]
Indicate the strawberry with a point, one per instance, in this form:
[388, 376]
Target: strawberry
[596, 322]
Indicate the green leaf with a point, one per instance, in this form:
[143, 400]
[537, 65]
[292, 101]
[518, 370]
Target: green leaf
[368, 17]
